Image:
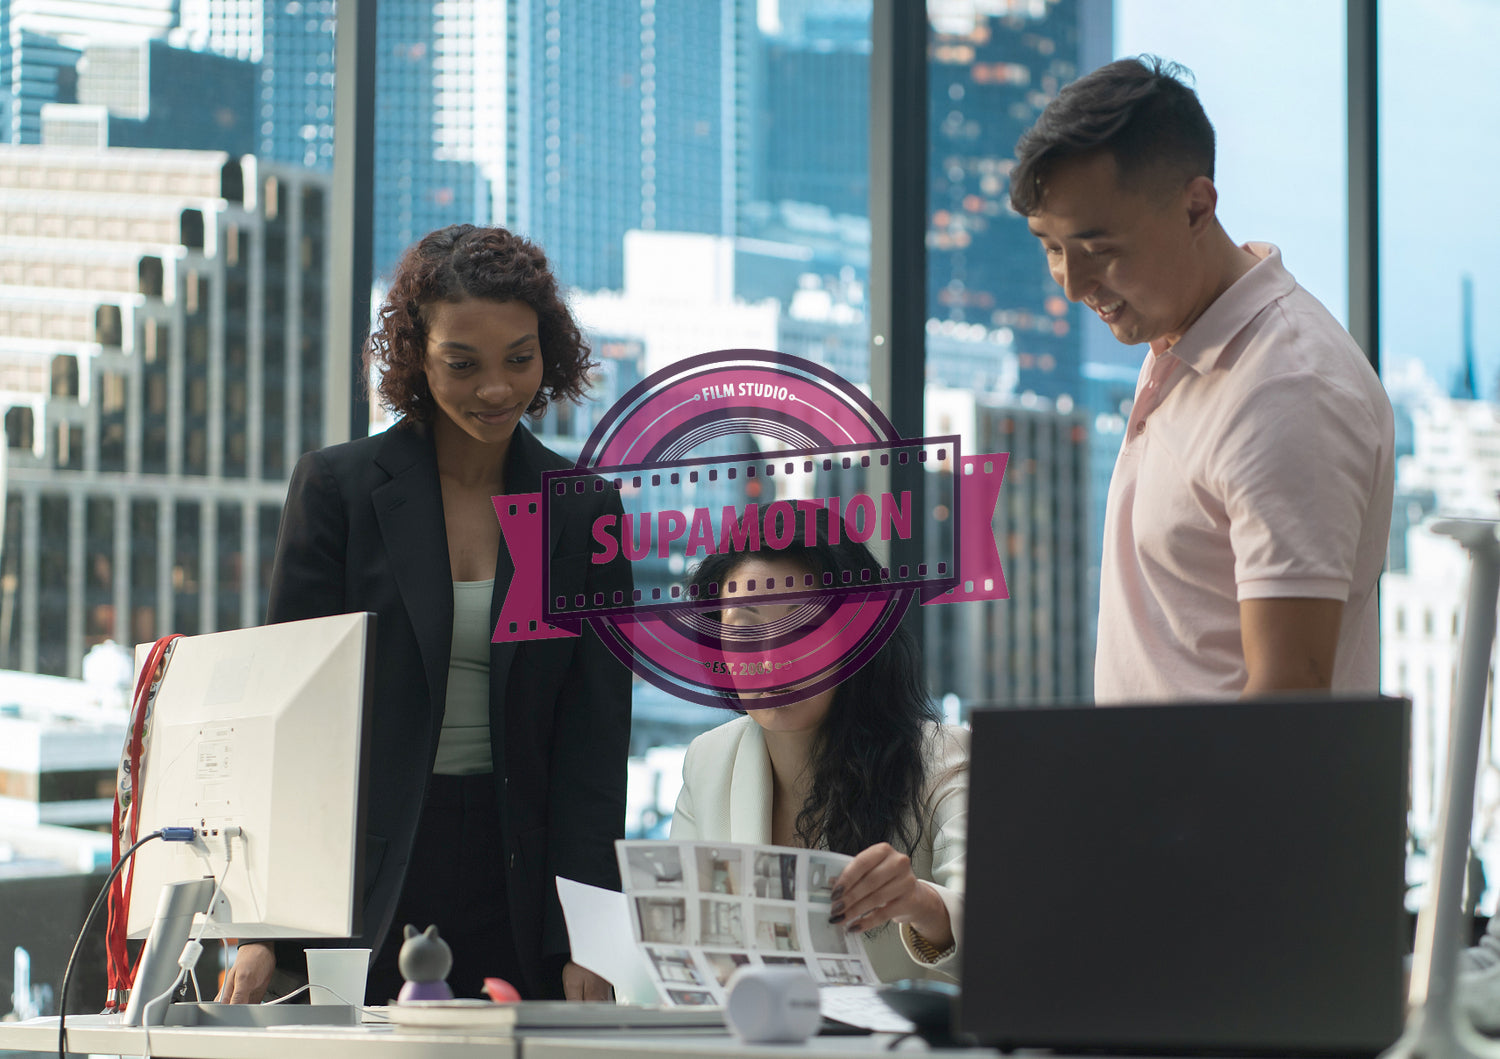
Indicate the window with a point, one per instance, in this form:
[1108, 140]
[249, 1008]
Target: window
[683, 210]
[140, 366]
[1439, 273]
[1046, 381]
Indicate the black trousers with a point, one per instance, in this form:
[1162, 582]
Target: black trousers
[456, 880]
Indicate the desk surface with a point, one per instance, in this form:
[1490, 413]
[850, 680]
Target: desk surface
[101, 1035]
[723, 1046]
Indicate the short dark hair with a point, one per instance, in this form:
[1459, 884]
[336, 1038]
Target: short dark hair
[1140, 110]
[455, 264]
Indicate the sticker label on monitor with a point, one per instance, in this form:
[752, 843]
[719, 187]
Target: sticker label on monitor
[214, 755]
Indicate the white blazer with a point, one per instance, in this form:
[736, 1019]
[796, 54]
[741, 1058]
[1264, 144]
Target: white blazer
[726, 795]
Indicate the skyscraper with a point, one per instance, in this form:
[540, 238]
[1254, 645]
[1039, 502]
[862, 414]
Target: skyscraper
[439, 84]
[1034, 646]
[163, 321]
[133, 95]
[296, 78]
[993, 68]
[819, 152]
[439, 69]
[226, 27]
[628, 114]
[38, 70]
[40, 41]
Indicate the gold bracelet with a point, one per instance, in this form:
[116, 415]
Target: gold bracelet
[926, 950]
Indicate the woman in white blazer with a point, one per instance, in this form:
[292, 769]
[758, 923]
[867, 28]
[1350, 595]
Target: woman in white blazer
[865, 768]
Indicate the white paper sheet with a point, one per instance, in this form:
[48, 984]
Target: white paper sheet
[599, 931]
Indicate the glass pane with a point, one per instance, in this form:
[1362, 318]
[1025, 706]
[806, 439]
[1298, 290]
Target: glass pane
[697, 174]
[144, 565]
[712, 150]
[1054, 387]
[11, 551]
[187, 568]
[231, 550]
[163, 327]
[1439, 356]
[52, 588]
[99, 571]
[1280, 180]
[1005, 350]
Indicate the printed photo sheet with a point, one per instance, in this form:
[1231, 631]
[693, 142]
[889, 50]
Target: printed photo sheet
[702, 910]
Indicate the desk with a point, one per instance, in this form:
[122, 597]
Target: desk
[92, 1034]
[641, 1046]
[102, 1035]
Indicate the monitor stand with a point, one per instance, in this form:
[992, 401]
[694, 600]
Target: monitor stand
[180, 904]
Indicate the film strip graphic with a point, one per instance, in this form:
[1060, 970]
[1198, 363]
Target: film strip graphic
[791, 481]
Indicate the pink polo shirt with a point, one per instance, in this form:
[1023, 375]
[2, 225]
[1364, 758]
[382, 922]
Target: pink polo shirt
[1257, 464]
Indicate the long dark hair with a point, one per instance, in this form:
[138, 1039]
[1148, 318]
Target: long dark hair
[868, 774]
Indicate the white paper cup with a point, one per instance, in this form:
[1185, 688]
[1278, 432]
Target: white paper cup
[337, 976]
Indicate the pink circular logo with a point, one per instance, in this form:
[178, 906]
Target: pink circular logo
[662, 448]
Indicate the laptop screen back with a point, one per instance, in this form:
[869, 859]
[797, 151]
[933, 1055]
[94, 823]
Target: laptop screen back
[1188, 877]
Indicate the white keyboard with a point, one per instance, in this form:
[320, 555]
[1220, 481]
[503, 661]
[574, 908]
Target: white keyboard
[860, 1005]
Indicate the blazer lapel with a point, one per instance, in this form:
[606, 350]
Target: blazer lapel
[750, 789]
[409, 510]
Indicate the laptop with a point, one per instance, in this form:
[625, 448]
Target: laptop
[1188, 878]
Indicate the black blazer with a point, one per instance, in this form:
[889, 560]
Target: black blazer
[363, 530]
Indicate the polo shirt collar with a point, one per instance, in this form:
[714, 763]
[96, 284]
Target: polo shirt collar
[1203, 342]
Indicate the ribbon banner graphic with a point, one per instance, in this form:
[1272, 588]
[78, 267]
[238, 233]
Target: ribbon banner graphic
[722, 453]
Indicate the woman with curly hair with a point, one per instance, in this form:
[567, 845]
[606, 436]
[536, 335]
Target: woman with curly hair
[864, 768]
[493, 766]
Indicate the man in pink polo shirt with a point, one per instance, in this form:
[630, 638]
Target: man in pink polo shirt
[1248, 513]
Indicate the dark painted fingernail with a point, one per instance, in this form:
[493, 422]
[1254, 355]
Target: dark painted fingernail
[836, 919]
[838, 891]
[838, 906]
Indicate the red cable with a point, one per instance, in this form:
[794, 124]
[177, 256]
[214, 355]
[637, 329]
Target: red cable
[117, 957]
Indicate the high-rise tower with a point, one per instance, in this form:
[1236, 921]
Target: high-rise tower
[629, 114]
[163, 327]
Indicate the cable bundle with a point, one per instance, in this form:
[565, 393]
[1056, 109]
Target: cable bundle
[125, 823]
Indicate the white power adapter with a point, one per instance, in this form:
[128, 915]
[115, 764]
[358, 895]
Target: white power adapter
[772, 1005]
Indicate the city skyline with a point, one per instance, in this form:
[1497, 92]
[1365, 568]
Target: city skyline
[163, 314]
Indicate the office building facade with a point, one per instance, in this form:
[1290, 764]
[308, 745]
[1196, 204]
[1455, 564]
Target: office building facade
[163, 325]
[992, 69]
[155, 95]
[440, 68]
[816, 152]
[990, 76]
[628, 114]
[35, 70]
[40, 41]
[1034, 646]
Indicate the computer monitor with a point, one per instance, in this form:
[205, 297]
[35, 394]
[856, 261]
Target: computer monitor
[1192, 877]
[265, 730]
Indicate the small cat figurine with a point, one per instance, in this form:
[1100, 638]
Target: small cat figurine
[425, 961]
